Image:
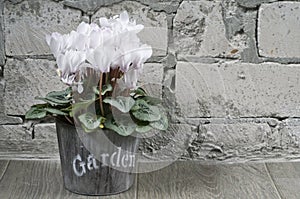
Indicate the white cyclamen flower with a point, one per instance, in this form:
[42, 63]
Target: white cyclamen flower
[120, 23]
[58, 43]
[114, 44]
[68, 64]
[131, 78]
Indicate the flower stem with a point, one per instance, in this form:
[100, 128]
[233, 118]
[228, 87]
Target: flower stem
[69, 120]
[100, 96]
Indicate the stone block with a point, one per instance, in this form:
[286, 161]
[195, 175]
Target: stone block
[167, 145]
[290, 133]
[45, 132]
[152, 78]
[229, 140]
[238, 90]
[155, 32]
[4, 119]
[279, 30]
[26, 79]
[2, 107]
[253, 3]
[16, 141]
[89, 6]
[199, 30]
[2, 49]
[14, 132]
[28, 22]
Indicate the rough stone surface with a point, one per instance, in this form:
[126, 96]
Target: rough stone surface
[279, 30]
[253, 3]
[16, 140]
[242, 140]
[162, 5]
[27, 23]
[238, 90]
[290, 133]
[2, 50]
[2, 86]
[228, 140]
[91, 6]
[227, 71]
[199, 30]
[152, 78]
[250, 53]
[45, 132]
[27, 79]
[155, 32]
[169, 145]
[4, 119]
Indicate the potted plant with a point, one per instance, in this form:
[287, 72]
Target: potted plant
[102, 110]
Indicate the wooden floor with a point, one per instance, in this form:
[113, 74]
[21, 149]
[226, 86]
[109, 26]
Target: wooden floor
[42, 179]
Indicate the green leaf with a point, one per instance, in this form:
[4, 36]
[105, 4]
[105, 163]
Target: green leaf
[121, 129]
[143, 129]
[161, 124]
[96, 90]
[35, 113]
[40, 105]
[60, 97]
[55, 111]
[90, 121]
[84, 104]
[49, 101]
[106, 88]
[67, 109]
[152, 100]
[145, 112]
[139, 92]
[124, 104]
[65, 94]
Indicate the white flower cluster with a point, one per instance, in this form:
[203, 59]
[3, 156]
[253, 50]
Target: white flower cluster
[112, 44]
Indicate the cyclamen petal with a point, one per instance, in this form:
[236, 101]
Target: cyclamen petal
[68, 79]
[80, 41]
[141, 55]
[83, 28]
[63, 64]
[124, 17]
[103, 56]
[69, 63]
[104, 22]
[90, 57]
[55, 42]
[131, 78]
[77, 58]
[95, 39]
[48, 39]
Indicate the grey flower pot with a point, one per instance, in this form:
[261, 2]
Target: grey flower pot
[85, 174]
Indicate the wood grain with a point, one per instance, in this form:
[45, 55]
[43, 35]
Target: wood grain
[40, 179]
[193, 180]
[286, 177]
[104, 180]
[3, 167]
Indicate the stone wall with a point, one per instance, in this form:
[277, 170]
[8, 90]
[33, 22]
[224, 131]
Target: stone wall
[228, 70]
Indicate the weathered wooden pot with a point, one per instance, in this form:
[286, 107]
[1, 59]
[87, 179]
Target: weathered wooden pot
[84, 174]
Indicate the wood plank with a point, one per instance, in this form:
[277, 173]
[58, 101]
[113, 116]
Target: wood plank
[193, 180]
[41, 179]
[286, 177]
[3, 167]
